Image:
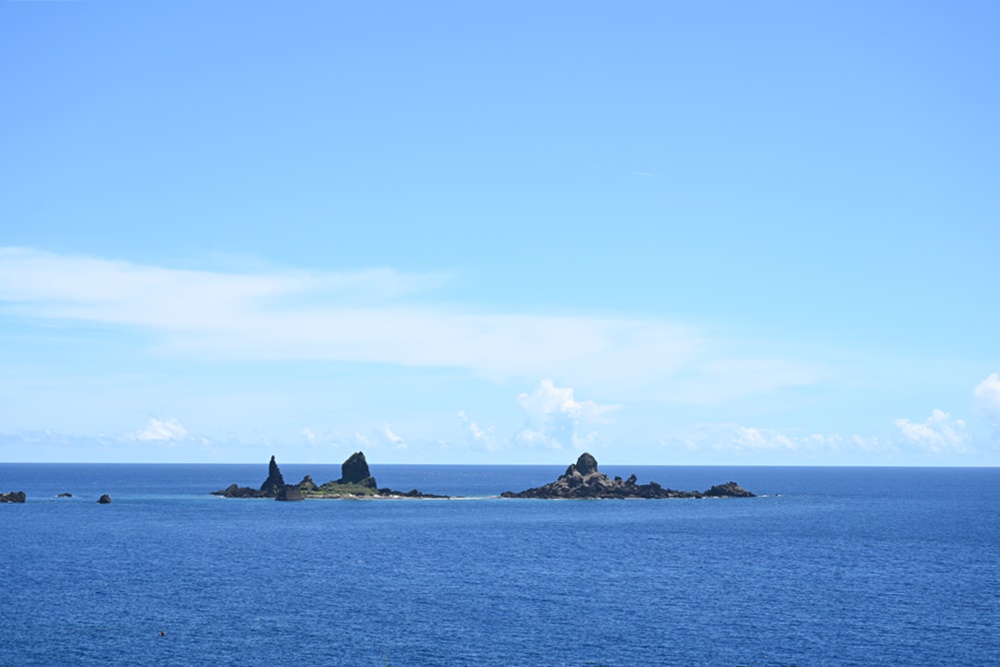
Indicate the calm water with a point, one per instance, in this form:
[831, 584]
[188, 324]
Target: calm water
[832, 567]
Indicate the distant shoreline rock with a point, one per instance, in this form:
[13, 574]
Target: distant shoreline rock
[582, 480]
[13, 497]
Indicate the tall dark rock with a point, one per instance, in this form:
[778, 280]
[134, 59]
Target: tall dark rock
[355, 471]
[586, 464]
[274, 482]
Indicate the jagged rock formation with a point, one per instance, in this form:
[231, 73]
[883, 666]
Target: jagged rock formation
[13, 497]
[274, 482]
[584, 480]
[104, 500]
[273, 487]
[307, 484]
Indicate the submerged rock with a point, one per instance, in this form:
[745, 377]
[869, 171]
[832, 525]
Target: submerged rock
[13, 497]
[65, 495]
[104, 500]
[583, 480]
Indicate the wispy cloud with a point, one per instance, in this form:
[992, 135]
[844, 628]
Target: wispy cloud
[749, 439]
[298, 315]
[939, 433]
[554, 418]
[486, 438]
[161, 430]
[386, 317]
[987, 395]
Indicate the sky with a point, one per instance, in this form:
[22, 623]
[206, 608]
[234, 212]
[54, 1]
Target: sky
[713, 233]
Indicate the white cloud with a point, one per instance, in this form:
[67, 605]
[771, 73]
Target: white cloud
[721, 380]
[747, 437]
[309, 435]
[380, 437]
[363, 316]
[938, 434]
[485, 438]
[987, 394]
[554, 418]
[390, 437]
[161, 430]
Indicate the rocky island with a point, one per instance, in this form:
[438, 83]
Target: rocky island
[355, 481]
[583, 480]
[13, 497]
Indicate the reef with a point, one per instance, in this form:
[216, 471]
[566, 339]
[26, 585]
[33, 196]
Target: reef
[582, 480]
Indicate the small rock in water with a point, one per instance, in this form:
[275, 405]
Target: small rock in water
[104, 500]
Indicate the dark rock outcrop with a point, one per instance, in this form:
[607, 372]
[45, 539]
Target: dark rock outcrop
[13, 497]
[65, 495]
[585, 465]
[104, 500]
[271, 487]
[274, 482]
[412, 493]
[355, 471]
[355, 482]
[584, 480]
[236, 491]
[289, 492]
[728, 490]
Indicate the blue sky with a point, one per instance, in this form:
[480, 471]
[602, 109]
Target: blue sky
[500, 232]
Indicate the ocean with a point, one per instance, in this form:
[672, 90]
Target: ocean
[829, 566]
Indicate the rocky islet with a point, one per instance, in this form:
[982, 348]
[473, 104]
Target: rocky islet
[582, 480]
[355, 481]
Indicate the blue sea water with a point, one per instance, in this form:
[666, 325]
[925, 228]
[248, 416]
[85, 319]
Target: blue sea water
[831, 566]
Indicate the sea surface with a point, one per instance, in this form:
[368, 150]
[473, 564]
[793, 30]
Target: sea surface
[830, 566]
